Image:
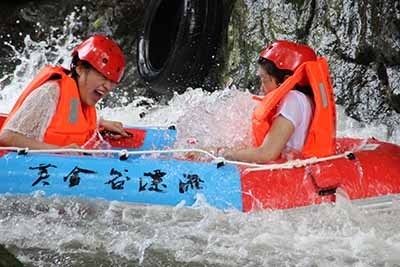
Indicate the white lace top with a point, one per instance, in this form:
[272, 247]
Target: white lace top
[36, 112]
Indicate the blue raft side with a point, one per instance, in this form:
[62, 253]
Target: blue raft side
[157, 138]
[137, 178]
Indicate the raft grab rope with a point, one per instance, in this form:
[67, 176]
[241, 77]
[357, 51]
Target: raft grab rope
[220, 161]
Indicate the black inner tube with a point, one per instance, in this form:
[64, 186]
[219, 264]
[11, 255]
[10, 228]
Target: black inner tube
[163, 32]
[179, 45]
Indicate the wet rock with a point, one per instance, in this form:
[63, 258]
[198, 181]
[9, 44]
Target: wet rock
[393, 88]
[7, 259]
[364, 36]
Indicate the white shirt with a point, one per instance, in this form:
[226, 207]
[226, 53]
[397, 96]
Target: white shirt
[298, 109]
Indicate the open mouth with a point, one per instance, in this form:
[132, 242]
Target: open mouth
[100, 93]
[97, 95]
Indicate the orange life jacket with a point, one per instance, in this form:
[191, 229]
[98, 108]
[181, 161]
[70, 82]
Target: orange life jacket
[320, 140]
[72, 122]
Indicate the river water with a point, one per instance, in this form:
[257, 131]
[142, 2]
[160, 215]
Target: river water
[55, 231]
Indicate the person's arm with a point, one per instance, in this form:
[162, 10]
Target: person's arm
[273, 145]
[14, 139]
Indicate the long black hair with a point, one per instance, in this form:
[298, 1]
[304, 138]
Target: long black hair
[280, 75]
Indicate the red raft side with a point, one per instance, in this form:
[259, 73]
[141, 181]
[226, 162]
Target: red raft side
[3, 118]
[370, 173]
[136, 139]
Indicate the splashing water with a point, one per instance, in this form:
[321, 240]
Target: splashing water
[74, 232]
[56, 50]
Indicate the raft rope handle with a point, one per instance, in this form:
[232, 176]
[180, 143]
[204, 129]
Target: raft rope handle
[152, 126]
[252, 166]
[297, 163]
[122, 152]
[309, 161]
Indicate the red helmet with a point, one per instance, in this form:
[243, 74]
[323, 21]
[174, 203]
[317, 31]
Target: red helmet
[104, 55]
[288, 55]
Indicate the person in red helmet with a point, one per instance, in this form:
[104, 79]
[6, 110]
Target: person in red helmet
[57, 109]
[296, 117]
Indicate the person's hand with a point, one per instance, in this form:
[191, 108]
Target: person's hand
[199, 155]
[72, 146]
[75, 146]
[193, 155]
[113, 129]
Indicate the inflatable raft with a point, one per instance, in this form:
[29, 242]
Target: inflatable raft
[130, 172]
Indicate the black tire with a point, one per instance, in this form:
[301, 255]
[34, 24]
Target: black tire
[179, 44]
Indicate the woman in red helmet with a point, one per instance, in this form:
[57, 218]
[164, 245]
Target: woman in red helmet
[295, 95]
[57, 109]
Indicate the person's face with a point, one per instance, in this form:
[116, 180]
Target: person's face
[268, 82]
[93, 86]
